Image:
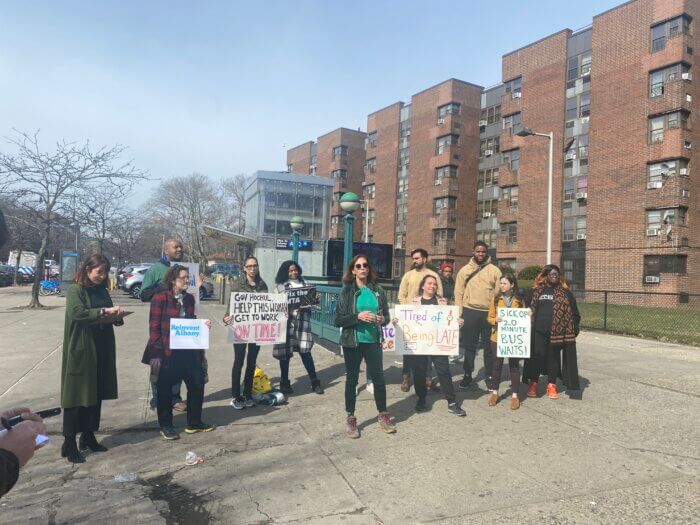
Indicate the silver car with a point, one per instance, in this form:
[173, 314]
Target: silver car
[132, 280]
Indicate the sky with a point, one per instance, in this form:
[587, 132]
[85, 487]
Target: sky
[226, 87]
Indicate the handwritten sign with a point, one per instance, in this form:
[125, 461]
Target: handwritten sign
[193, 270]
[427, 330]
[258, 317]
[389, 340]
[514, 333]
[188, 334]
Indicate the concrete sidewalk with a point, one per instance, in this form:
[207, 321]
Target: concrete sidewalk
[626, 451]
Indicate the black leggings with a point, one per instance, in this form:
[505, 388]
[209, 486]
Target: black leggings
[547, 358]
[239, 351]
[308, 361]
[418, 364]
[513, 366]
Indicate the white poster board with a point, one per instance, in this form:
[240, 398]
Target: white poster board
[189, 334]
[193, 270]
[514, 333]
[259, 318]
[427, 330]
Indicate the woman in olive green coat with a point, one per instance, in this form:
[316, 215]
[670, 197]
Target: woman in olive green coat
[89, 368]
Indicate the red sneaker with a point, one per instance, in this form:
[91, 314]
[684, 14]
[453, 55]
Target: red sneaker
[532, 389]
[552, 391]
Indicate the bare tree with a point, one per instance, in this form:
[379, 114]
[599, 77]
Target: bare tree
[44, 180]
[188, 203]
[233, 191]
[99, 213]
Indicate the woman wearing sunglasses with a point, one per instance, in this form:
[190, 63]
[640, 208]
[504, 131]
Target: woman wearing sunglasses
[249, 281]
[555, 326]
[361, 312]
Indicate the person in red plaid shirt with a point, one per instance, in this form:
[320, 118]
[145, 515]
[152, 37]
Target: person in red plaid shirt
[181, 365]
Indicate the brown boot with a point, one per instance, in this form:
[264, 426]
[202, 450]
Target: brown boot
[514, 403]
[431, 385]
[493, 400]
[406, 383]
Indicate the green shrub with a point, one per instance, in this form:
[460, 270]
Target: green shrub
[529, 272]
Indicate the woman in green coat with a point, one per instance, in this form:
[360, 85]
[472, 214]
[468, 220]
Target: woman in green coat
[89, 369]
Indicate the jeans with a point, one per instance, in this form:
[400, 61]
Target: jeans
[372, 354]
[239, 356]
[513, 366]
[183, 365]
[308, 361]
[442, 367]
[418, 364]
[475, 325]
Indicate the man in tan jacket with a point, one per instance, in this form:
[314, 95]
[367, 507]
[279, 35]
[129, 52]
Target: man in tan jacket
[476, 283]
[408, 289]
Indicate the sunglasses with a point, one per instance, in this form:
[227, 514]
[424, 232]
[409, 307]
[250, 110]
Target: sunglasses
[359, 266]
[553, 274]
[252, 266]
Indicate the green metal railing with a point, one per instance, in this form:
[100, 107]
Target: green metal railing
[322, 324]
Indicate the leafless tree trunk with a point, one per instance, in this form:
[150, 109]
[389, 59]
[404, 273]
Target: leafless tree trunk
[45, 179]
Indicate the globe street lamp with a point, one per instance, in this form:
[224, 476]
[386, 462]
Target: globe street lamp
[349, 203]
[297, 224]
[526, 132]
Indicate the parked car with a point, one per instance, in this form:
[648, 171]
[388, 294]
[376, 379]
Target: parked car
[131, 281]
[206, 290]
[7, 275]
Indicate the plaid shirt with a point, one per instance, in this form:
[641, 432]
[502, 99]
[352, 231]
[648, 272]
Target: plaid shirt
[299, 336]
[163, 308]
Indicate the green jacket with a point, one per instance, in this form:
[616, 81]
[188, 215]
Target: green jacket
[81, 343]
[152, 279]
[346, 313]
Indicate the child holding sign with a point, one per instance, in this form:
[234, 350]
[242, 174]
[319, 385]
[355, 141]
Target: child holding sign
[508, 297]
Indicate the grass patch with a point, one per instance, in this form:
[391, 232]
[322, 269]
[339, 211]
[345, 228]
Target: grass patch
[677, 325]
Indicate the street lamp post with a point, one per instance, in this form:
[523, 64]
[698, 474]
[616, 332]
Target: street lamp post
[297, 223]
[349, 203]
[526, 132]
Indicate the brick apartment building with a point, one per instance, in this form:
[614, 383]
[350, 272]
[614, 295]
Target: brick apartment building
[338, 155]
[619, 98]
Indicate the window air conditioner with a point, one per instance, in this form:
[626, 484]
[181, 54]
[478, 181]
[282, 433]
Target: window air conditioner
[517, 94]
[688, 145]
[653, 232]
[683, 171]
[688, 97]
[580, 236]
[483, 123]
[584, 120]
[581, 195]
[487, 214]
[488, 153]
[652, 279]
[441, 121]
[438, 182]
[687, 76]
[654, 185]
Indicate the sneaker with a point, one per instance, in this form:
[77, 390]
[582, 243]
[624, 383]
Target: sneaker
[552, 391]
[249, 403]
[493, 400]
[532, 389]
[405, 383]
[316, 387]
[201, 427]
[238, 403]
[286, 388]
[454, 408]
[465, 382]
[169, 434]
[351, 427]
[385, 423]
[420, 405]
[454, 359]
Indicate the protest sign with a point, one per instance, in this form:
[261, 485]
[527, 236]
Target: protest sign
[189, 334]
[427, 330]
[193, 270]
[258, 317]
[302, 297]
[514, 333]
[389, 341]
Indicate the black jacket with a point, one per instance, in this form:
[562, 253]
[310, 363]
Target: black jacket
[9, 471]
[346, 314]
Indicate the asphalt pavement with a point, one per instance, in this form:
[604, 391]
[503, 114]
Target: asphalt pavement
[624, 450]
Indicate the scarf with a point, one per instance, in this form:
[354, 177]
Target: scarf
[562, 330]
[508, 300]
